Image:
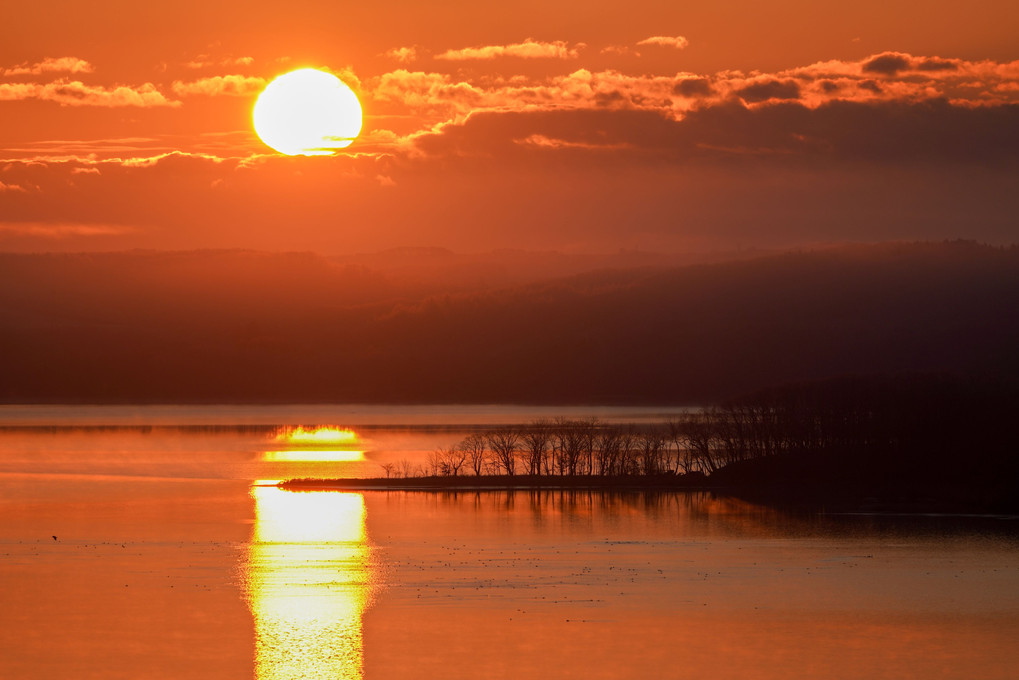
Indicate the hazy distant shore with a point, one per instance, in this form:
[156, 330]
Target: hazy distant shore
[221, 327]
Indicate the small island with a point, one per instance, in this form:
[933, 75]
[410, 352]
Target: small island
[505, 482]
[917, 442]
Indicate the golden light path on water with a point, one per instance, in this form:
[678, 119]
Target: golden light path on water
[309, 581]
[319, 436]
[328, 444]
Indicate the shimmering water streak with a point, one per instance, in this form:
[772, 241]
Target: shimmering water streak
[313, 456]
[309, 581]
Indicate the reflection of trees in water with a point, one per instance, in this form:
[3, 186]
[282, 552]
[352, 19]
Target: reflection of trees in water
[545, 508]
[704, 513]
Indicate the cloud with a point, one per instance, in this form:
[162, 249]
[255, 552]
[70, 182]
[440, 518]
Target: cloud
[204, 61]
[404, 55]
[555, 143]
[202, 199]
[51, 65]
[76, 93]
[936, 64]
[618, 49]
[442, 95]
[887, 64]
[438, 94]
[418, 89]
[437, 99]
[894, 63]
[588, 172]
[890, 76]
[517, 135]
[788, 133]
[678, 42]
[529, 49]
[769, 89]
[693, 87]
[11, 187]
[230, 85]
[834, 117]
[92, 149]
[61, 231]
[163, 158]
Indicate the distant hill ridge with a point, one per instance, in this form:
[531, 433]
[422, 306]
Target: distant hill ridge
[243, 326]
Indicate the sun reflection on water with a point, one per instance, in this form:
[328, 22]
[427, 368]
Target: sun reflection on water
[329, 436]
[313, 456]
[309, 581]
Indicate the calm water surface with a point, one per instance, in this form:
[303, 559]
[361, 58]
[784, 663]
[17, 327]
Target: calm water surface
[170, 559]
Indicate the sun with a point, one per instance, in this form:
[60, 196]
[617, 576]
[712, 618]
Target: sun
[307, 113]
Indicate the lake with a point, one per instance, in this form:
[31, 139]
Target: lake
[149, 542]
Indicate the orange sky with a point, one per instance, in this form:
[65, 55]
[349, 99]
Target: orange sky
[574, 126]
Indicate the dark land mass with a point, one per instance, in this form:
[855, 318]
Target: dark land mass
[906, 443]
[787, 485]
[510, 327]
[504, 482]
[913, 441]
[783, 495]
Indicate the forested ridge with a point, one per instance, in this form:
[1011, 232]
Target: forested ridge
[240, 327]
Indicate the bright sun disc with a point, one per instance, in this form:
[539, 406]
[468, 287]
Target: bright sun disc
[307, 112]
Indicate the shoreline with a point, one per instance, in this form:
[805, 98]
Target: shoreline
[501, 483]
[838, 502]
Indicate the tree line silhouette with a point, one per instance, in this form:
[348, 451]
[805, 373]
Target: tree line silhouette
[566, 447]
[928, 436]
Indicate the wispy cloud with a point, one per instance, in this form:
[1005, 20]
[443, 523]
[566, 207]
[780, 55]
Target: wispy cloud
[57, 231]
[11, 187]
[404, 55]
[76, 93]
[417, 89]
[528, 49]
[887, 77]
[50, 65]
[93, 149]
[678, 42]
[442, 94]
[620, 50]
[205, 61]
[229, 85]
[546, 142]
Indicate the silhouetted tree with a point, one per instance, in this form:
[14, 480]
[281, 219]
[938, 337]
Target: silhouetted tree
[503, 444]
[608, 451]
[650, 448]
[572, 445]
[448, 461]
[474, 446]
[536, 438]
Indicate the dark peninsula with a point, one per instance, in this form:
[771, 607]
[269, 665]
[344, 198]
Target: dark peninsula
[913, 442]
